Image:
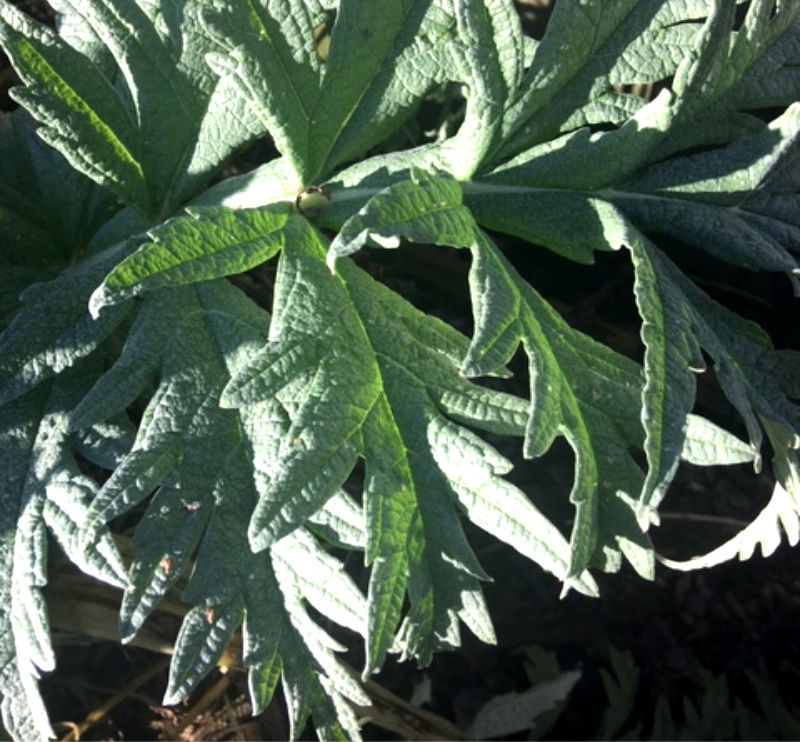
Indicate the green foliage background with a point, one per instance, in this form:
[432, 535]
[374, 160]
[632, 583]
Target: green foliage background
[116, 253]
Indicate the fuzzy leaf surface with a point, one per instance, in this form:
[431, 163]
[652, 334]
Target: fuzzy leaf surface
[253, 423]
[580, 390]
[731, 202]
[49, 210]
[144, 118]
[428, 208]
[381, 60]
[53, 329]
[583, 192]
[42, 491]
[719, 74]
[396, 399]
[205, 243]
[423, 209]
[197, 458]
[635, 41]
[680, 324]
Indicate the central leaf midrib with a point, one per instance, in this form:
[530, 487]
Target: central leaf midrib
[334, 135]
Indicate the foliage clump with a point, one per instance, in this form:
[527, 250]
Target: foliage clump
[116, 291]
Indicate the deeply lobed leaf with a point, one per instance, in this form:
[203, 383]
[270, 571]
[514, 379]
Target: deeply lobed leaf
[42, 491]
[252, 424]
